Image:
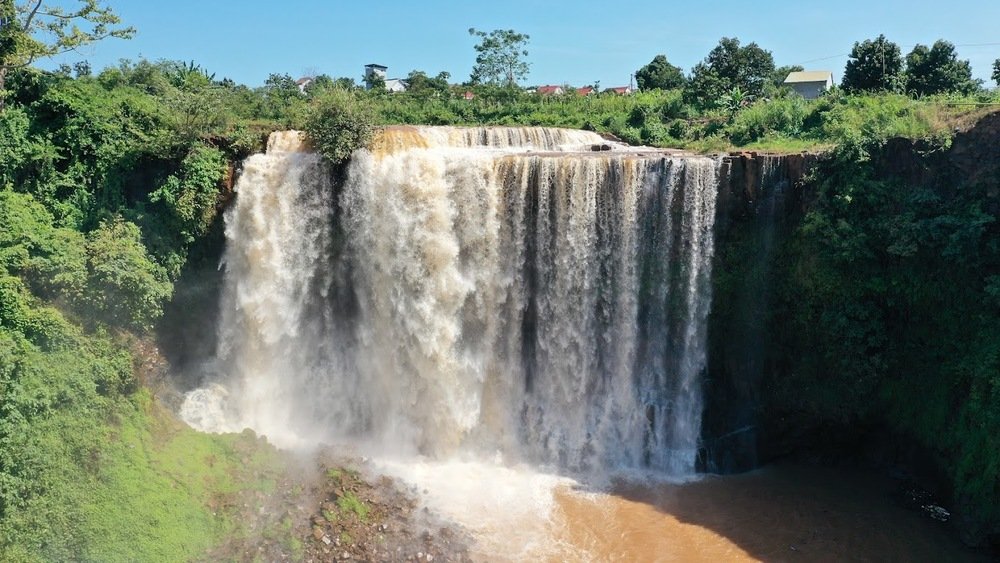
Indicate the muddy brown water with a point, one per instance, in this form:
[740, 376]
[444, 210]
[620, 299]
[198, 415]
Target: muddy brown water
[780, 513]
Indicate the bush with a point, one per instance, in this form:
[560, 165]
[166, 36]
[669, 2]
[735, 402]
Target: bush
[339, 123]
[124, 287]
[775, 117]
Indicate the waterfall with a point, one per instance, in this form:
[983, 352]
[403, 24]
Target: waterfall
[475, 290]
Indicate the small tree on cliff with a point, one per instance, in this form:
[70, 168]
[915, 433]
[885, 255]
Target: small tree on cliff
[659, 74]
[500, 60]
[338, 123]
[35, 29]
[874, 66]
[996, 71]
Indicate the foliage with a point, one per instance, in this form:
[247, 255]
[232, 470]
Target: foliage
[784, 117]
[729, 66]
[500, 57]
[90, 471]
[659, 74]
[874, 66]
[127, 287]
[733, 101]
[888, 314]
[421, 85]
[36, 29]
[937, 70]
[339, 123]
[183, 207]
[996, 72]
[282, 100]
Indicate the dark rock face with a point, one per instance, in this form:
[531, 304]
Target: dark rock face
[760, 207]
[759, 202]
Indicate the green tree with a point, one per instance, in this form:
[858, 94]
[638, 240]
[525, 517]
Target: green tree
[500, 58]
[729, 66]
[281, 97]
[659, 74]
[874, 66]
[125, 287]
[36, 29]
[338, 123]
[996, 71]
[937, 70]
[419, 84]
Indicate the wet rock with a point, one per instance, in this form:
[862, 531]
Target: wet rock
[936, 512]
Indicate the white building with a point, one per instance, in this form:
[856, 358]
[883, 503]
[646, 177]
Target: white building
[376, 71]
[810, 84]
[395, 85]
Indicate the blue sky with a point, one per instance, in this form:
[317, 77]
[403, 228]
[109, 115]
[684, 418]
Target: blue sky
[571, 42]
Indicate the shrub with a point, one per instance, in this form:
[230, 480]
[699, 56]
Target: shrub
[126, 288]
[338, 123]
[784, 117]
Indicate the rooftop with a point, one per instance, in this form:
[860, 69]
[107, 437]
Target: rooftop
[809, 76]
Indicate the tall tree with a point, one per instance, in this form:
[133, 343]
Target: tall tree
[36, 29]
[730, 66]
[874, 66]
[500, 58]
[659, 74]
[937, 70]
[996, 71]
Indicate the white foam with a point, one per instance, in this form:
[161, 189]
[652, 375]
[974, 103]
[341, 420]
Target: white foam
[510, 511]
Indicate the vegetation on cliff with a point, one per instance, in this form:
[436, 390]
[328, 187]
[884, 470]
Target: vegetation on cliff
[107, 181]
[887, 311]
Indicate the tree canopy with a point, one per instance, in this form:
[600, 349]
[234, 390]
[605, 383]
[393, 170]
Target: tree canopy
[936, 70]
[996, 71]
[500, 58]
[36, 29]
[729, 66]
[419, 83]
[874, 66]
[659, 74]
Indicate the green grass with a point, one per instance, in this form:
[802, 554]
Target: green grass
[92, 471]
[349, 503]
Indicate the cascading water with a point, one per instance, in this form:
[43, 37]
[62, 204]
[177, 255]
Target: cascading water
[470, 290]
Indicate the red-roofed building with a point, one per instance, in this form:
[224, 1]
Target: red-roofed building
[550, 90]
[586, 90]
[620, 90]
[468, 95]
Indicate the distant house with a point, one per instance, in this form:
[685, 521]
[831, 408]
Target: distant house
[620, 90]
[374, 72]
[468, 95]
[396, 85]
[304, 83]
[586, 90]
[810, 84]
[550, 90]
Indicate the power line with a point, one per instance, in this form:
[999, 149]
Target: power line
[823, 59]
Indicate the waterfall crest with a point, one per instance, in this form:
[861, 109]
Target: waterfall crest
[470, 289]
